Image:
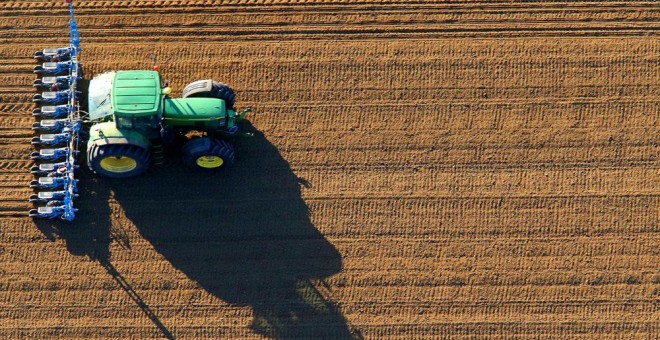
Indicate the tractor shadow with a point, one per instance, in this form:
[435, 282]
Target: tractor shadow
[244, 236]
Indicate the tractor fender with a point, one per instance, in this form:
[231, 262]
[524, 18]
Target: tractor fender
[108, 133]
[200, 86]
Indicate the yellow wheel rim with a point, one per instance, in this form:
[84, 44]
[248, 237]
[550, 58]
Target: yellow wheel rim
[118, 164]
[210, 162]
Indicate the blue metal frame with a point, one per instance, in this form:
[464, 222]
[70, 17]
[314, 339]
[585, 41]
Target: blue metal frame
[63, 176]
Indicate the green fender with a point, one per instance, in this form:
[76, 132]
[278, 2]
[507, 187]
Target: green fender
[108, 133]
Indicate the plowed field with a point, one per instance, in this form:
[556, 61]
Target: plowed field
[420, 170]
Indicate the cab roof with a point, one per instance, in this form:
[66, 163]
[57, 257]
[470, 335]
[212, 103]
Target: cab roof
[136, 93]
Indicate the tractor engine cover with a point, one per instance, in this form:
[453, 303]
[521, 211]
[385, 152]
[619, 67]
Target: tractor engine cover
[202, 113]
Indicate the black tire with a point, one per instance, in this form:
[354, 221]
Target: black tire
[217, 89]
[208, 154]
[102, 159]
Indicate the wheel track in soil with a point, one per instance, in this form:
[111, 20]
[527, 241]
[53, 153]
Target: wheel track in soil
[499, 178]
[298, 25]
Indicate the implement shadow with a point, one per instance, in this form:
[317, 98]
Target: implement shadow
[244, 236]
[91, 235]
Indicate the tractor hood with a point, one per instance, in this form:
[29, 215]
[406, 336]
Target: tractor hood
[185, 111]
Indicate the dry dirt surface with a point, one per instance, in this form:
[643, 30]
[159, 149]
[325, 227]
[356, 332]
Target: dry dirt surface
[420, 170]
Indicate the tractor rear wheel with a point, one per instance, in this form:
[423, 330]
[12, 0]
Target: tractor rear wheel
[118, 160]
[208, 154]
[211, 89]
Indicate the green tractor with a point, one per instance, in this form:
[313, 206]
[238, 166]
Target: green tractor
[135, 121]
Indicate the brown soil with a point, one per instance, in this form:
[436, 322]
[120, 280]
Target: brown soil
[470, 169]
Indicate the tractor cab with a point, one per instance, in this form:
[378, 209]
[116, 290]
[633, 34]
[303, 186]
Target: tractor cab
[133, 100]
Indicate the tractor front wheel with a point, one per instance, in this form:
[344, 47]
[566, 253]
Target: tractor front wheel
[118, 160]
[208, 154]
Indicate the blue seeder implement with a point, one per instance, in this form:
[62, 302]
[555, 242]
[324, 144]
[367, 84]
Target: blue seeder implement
[56, 184]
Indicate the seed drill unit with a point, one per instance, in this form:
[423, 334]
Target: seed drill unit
[129, 124]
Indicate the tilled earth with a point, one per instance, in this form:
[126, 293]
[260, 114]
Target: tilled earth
[463, 169]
